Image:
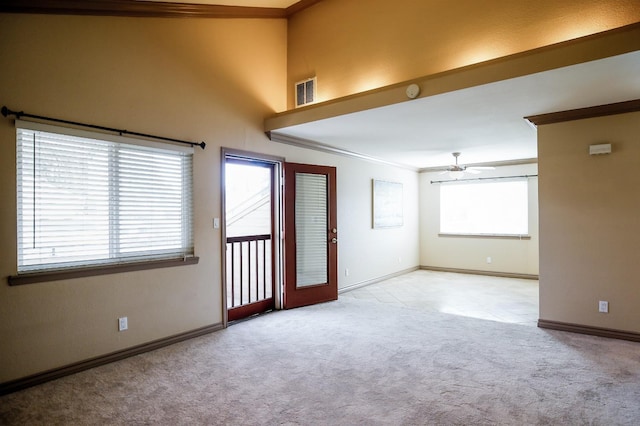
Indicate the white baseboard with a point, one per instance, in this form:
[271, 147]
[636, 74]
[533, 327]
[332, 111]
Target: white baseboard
[376, 280]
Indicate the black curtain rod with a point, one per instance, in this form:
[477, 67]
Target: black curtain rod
[484, 178]
[19, 114]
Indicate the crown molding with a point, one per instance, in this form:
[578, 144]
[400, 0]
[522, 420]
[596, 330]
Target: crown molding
[318, 146]
[300, 6]
[503, 163]
[582, 113]
[149, 9]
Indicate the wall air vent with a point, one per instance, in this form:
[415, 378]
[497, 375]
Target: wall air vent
[306, 91]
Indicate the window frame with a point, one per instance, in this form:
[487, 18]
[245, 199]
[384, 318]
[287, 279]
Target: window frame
[488, 235]
[110, 265]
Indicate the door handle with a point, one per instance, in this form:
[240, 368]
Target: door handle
[334, 240]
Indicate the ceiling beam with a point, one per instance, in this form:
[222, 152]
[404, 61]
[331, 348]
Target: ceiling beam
[572, 52]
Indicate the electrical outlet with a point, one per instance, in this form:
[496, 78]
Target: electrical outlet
[123, 324]
[603, 306]
[489, 260]
[346, 272]
[399, 259]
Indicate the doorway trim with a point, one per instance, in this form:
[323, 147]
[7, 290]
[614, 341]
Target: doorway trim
[229, 153]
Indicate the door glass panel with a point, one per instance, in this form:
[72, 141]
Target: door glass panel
[247, 199]
[248, 202]
[311, 229]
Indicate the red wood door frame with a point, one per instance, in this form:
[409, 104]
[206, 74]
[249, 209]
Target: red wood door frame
[260, 305]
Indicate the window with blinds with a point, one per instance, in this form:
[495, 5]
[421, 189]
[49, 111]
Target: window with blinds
[89, 199]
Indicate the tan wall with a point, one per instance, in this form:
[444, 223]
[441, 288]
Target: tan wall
[589, 227]
[195, 79]
[507, 255]
[371, 253]
[353, 46]
[190, 79]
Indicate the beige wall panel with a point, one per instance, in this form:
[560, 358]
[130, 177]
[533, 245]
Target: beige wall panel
[354, 46]
[194, 79]
[589, 227]
[507, 256]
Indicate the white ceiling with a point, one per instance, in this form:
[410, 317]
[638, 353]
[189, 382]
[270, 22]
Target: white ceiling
[485, 123]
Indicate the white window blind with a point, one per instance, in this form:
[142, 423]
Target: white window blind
[311, 229]
[88, 199]
[487, 208]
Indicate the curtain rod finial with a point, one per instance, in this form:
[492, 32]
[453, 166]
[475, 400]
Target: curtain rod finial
[201, 144]
[6, 112]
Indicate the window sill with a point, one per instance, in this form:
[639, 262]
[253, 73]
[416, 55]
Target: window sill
[39, 277]
[490, 236]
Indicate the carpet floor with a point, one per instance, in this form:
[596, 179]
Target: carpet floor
[353, 362]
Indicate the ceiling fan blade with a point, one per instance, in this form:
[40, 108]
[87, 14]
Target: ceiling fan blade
[443, 172]
[482, 168]
[472, 171]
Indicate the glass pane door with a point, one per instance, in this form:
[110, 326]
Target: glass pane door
[310, 235]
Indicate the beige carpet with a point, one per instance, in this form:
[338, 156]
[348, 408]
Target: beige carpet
[354, 361]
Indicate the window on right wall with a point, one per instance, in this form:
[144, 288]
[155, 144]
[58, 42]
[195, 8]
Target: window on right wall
[499, 207]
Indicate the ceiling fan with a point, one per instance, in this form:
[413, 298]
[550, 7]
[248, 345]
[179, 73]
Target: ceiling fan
[456, 171]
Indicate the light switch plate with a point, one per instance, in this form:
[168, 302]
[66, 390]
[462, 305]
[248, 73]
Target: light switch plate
[123, 324]
[603, 306]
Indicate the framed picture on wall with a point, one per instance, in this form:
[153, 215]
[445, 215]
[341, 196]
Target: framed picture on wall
[387, 204]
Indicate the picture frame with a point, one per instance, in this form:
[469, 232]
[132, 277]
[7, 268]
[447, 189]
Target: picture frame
[387, 204]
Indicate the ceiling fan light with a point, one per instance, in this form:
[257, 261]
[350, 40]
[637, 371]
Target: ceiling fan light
[456, 174]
